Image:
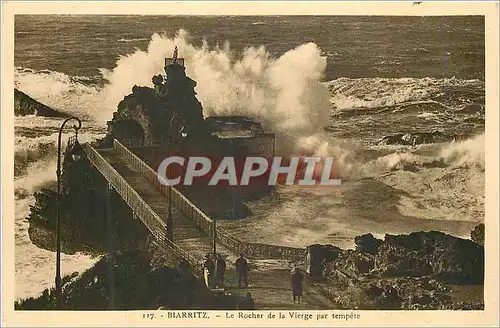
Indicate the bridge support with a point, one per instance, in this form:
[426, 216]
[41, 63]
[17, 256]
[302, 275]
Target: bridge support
[170, 219]
[142, 233]
[110, 240]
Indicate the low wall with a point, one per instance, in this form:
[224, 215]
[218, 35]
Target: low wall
[257, 145]
[275, 251]
[206, 224]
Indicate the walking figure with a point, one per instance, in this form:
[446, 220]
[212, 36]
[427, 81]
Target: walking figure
[209, 266]
[242, 269]
[297, 279]
[221, 270]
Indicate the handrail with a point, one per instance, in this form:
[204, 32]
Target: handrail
[152, 221]
[140, 143]
[147, 215]
[202, 221]
[196, 265]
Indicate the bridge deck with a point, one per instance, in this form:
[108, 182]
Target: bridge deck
[269, 279]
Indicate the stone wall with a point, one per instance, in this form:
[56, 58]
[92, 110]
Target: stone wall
[258, 145]
[261, 145]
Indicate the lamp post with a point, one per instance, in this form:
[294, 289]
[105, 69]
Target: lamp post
[170, 220]
[75, 157]
[214, 223]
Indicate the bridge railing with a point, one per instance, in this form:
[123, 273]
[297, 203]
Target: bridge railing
[137, 142]
[202, 221]
[275, 251]
[196, 265]
[141, 166]
[147, 215]
[152, 221]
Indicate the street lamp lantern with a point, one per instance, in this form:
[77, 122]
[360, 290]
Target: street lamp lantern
[75, 151]
[183, 132]
[76, 157]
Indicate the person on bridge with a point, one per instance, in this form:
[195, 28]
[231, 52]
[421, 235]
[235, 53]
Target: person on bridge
[242, 269]
[297, 279]
[209, 265]
[221, 270]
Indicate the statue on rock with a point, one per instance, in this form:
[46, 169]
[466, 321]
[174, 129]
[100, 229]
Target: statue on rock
[168, 111]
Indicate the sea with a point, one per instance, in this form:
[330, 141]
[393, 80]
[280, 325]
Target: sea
[326, 85]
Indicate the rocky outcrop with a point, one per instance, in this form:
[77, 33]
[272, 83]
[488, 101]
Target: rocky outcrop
[140, 116]
[405, 293]
[318, 256]
[448, 258]
[477, 235]
[401, 272]
[156, 115]
[25, 105]
[85, 226]
[444, 257]
[45, 238]
[367, 243]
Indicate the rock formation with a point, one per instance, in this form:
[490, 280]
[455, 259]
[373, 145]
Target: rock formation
[419, 270]
[154, 115]
[25, 105]
[477, 235]
[84, 225]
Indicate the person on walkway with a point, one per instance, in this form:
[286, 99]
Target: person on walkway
[297, 280]
[242, 269]
[209, 265]
[221, 270]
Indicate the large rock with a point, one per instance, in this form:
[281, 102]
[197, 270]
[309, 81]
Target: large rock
[352, 263]
[367, 243]
[25, 105]
[452, 259]
[444, 257]
[406, 293]
[477, 235]
[45, 238]
[318, 256]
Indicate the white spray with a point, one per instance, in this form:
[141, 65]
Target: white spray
[285, 94]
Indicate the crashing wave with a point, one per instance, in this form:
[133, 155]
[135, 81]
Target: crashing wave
[417, 138]
[374, 93]
[132, 40]
[73, 95]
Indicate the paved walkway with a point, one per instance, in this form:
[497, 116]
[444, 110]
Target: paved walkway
[269, 280]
